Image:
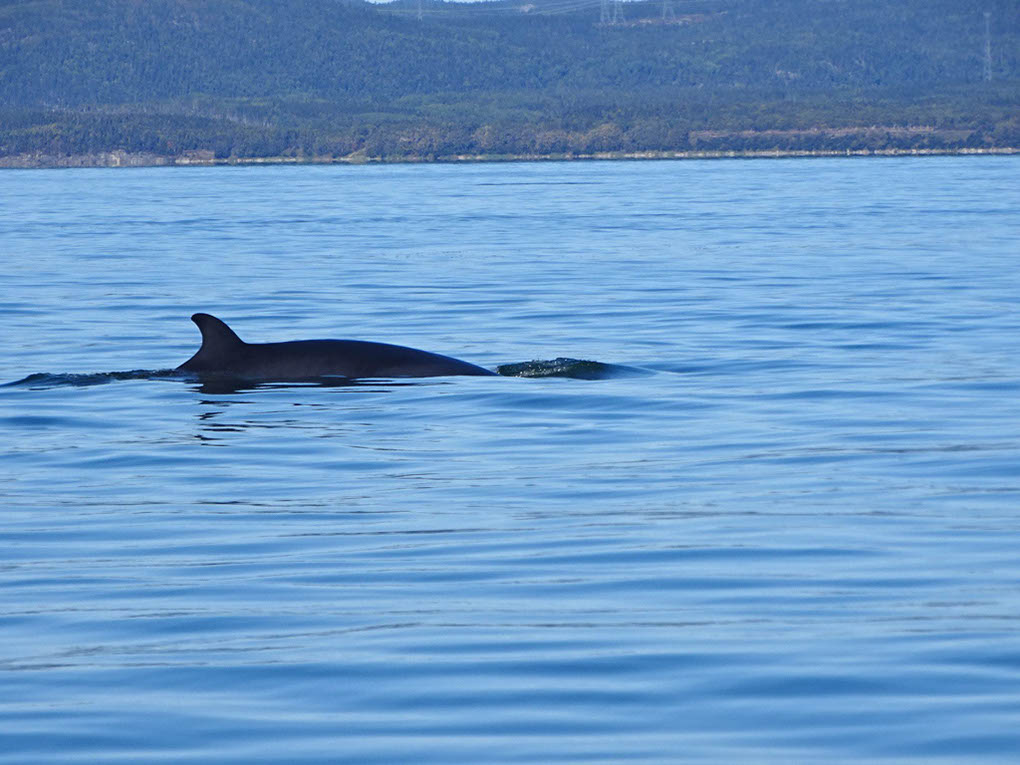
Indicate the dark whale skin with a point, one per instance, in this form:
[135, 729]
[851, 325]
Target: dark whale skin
[224, 353]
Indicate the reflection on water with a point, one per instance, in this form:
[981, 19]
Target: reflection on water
[226, 384]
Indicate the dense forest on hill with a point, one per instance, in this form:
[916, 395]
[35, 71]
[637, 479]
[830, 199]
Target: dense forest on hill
[426, 79]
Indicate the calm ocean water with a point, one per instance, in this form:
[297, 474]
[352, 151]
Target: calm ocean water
[787, 532]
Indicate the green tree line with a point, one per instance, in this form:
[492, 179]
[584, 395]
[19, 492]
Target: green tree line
[324, 78]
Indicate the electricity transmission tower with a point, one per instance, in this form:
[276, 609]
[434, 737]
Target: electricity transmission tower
[604, 12]
[988, 46]
[617, 11]
[668, 14]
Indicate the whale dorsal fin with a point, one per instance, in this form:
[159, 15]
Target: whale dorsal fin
[217, 337]
[219, 344]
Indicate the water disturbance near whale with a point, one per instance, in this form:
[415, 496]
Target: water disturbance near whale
[224, 353]
[227, 364]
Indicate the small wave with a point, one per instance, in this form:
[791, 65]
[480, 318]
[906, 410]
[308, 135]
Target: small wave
[67, 379]
[215, 383]
[577, 369]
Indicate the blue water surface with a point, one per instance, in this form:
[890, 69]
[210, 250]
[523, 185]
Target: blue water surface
[792, 537]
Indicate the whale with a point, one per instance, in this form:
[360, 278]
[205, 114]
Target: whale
[225, 354]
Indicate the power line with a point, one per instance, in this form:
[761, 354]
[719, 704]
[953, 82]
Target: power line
[610, 11]
[466, 9]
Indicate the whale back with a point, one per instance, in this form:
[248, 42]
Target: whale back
[224, 353]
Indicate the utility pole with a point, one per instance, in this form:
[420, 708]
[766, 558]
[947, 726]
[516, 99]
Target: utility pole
[421, 14]
[988, 46]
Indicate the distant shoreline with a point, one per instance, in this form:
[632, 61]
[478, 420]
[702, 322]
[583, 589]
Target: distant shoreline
[207, 159]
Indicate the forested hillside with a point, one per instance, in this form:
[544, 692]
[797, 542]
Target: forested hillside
[330, 79]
